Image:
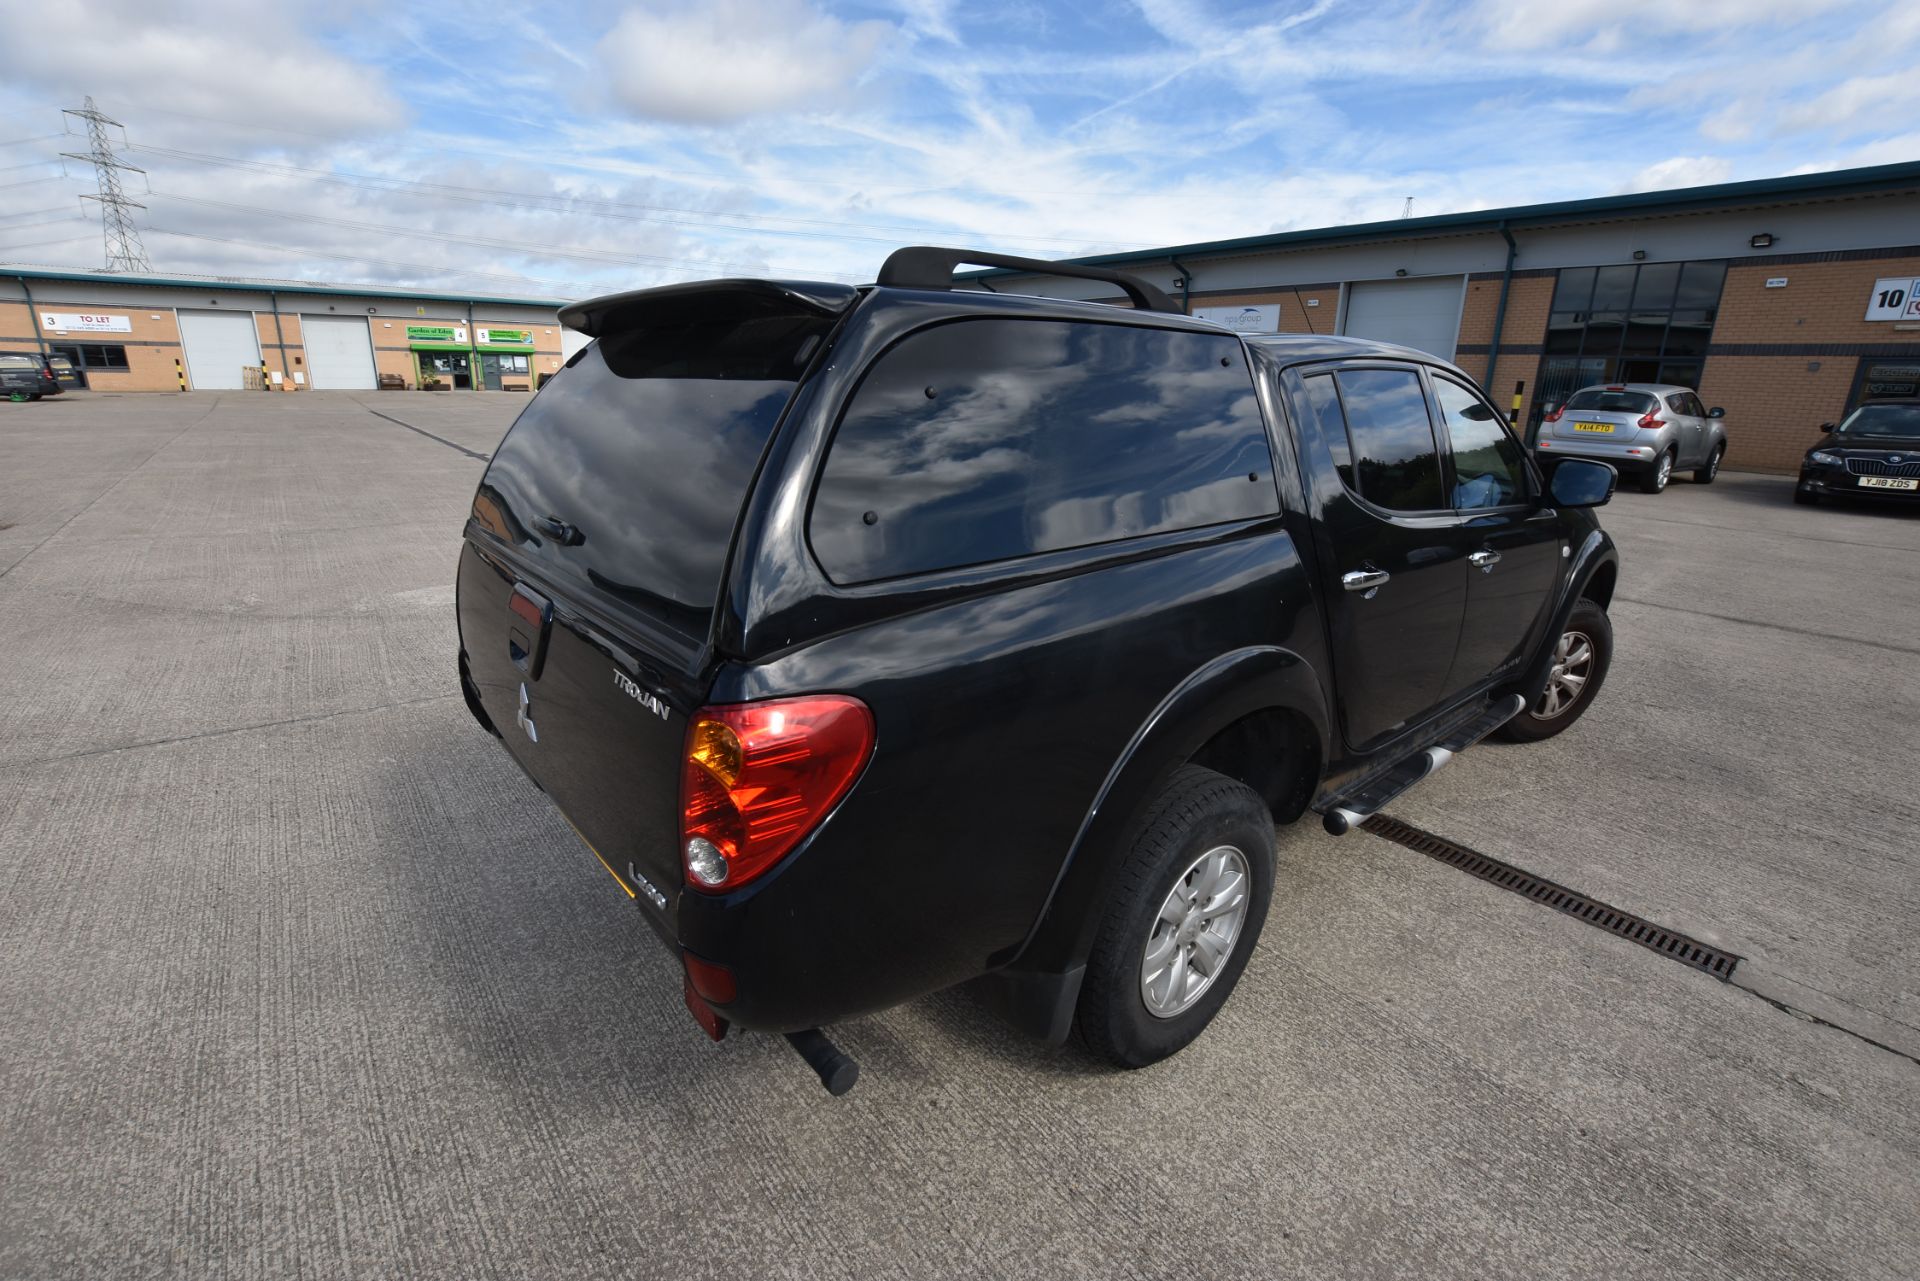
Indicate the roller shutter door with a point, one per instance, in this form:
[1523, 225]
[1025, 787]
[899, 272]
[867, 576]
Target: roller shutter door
[339, 353]
[1423, 314]
[219, 345]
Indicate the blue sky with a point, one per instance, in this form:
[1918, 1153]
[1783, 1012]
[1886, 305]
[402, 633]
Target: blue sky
[572, 149]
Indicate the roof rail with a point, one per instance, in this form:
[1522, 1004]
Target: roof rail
[931, 267]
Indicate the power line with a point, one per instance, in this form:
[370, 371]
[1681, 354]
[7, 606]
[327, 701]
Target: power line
[582, 255]
[124, 250]
[601, 208]
[377, 262]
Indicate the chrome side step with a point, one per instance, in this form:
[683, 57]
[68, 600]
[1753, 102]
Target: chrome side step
[1355, 806]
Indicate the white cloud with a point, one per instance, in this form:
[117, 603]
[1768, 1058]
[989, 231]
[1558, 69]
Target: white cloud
[1680, 171]
[215, 60]
[1862, 101]
[1611, 25]
[724, 61]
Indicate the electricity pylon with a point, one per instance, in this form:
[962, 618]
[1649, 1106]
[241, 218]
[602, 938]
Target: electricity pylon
[124, 250]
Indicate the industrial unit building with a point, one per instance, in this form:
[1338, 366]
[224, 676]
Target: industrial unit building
[1785, 301]
[127, 332]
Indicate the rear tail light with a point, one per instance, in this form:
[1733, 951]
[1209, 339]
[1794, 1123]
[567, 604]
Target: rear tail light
[759, 776]
[1649, 420]
[1553, 415]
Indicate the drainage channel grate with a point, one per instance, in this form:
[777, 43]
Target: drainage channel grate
[1668, 943]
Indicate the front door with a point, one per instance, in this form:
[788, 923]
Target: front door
[490, 371]
[1394, 574]
[1512, 541]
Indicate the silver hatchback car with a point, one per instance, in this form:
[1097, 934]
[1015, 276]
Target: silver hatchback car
[1647, 429]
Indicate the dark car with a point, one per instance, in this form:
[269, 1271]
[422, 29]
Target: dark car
[26, 375]
[1873, 453]
[879, 639]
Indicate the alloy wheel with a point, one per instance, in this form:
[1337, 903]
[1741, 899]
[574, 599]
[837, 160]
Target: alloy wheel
[1194, 932]
[1572, 669]
[1666, 470]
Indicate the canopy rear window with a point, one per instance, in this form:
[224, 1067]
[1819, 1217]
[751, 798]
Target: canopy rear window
[625, 476]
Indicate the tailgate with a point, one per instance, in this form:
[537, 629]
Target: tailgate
[597, 548]
[590, 716]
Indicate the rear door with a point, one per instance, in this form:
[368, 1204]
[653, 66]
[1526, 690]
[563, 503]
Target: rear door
[1512, 540]
[596, 551]
[1395, 582]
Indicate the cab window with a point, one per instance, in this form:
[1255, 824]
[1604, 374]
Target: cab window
[1488, 467]
[1396, 464]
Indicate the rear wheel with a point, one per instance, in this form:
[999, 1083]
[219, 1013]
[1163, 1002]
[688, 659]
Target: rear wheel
[1580, 660]
[1655, 478]
[1183, 918]
[1704, 475]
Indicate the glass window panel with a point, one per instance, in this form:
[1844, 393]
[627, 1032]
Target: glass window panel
[1654, 290]
[1613, 289]
[1043, 435]
[1604, 332]
[1324, 401]
[1700, 285]
[1644, 333]
[1397, 463]
[1487, 466]
[1574, 289]
[1688, 334]
[1563, 333]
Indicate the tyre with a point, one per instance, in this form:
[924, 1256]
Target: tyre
[1704, 475]
[1183, 918]
[1655, 478]
[1581, 657]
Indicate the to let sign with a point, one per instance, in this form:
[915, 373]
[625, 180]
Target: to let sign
[86, 322]
[1895, 298]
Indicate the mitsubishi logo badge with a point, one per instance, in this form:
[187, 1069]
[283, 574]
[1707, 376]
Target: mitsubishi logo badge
[1898, 458]
[525, 714]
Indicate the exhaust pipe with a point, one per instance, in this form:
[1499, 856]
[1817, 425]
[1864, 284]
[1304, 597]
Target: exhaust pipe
[836, 1071]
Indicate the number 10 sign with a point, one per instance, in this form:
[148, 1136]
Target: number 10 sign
[1895, 298]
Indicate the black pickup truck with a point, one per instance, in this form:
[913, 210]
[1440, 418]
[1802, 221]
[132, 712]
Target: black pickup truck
[879, 639]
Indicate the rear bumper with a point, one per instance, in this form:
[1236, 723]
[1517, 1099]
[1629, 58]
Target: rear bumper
[1626, 450]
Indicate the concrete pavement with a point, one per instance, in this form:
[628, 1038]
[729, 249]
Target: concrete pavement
[300, 976]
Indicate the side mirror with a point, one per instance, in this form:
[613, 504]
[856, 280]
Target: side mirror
[1827, 426]
[1716, 412]
[1579, 483]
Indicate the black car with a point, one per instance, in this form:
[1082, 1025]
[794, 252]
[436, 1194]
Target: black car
[1874, 453]
[879, 639]
[26, 375]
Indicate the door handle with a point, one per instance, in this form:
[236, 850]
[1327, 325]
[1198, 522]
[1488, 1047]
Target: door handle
[1366, 580]
[1484, 559]
[563, 533]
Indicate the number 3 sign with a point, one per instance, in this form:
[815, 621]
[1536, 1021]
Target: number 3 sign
[1895, 298]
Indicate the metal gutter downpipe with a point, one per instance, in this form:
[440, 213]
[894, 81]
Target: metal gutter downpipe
[280, 339]
[1500, 314]
[1186, 284]
[33, 311]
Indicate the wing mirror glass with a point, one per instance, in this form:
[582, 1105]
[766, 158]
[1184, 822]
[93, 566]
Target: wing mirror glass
[1579, 483]
[1716, 412]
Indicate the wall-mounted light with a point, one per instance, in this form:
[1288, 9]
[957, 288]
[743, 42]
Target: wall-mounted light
[372, 310]
[1762, 241]
[1399, 271]
[1639, 255]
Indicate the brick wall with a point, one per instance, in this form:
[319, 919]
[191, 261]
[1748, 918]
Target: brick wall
[1524, 329]
[152, 344]
[1776, 400]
